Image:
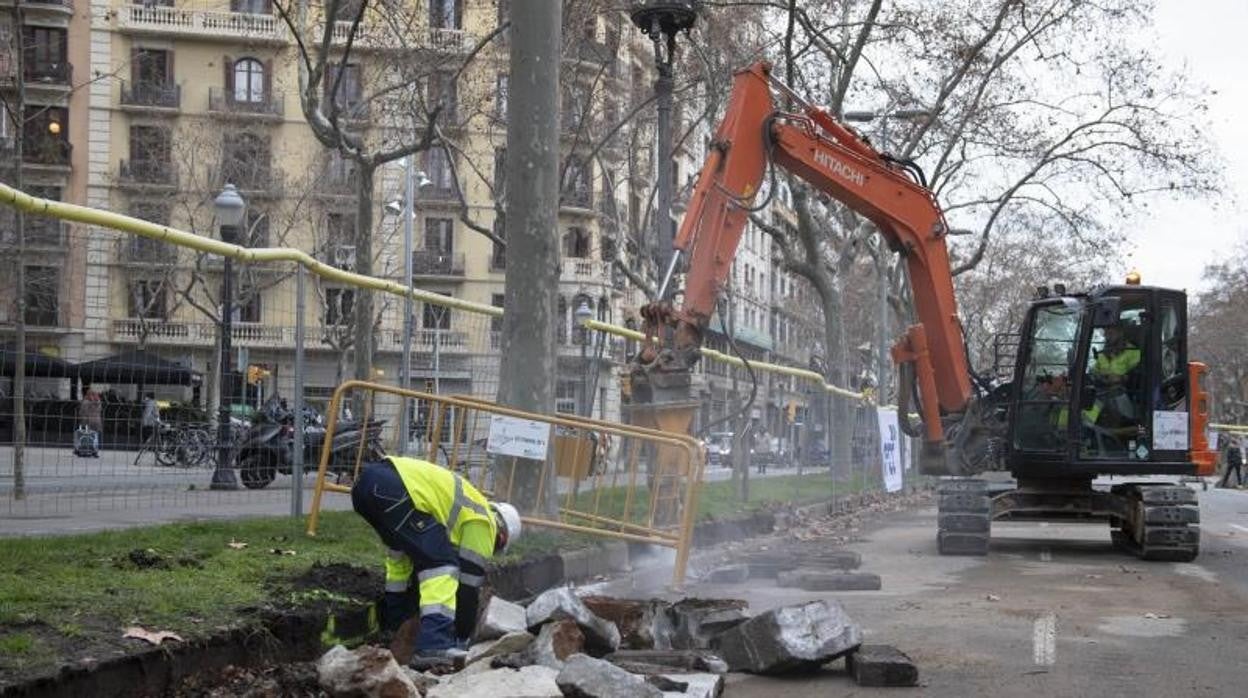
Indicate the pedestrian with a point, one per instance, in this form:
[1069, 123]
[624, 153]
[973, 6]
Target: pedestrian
[1234, 460]
[441, 529]
[91, 412]
[762, 449]
[149, 426]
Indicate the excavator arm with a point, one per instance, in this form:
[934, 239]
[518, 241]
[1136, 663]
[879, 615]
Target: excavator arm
[814, 146]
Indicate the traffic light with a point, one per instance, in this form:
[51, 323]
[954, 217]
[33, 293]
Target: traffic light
[256, 374]
[792, 412]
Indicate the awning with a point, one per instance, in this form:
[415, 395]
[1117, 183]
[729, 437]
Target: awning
[37, 365]
[137, 367]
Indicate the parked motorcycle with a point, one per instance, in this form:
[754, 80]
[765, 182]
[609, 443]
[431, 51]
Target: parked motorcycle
[269, 447]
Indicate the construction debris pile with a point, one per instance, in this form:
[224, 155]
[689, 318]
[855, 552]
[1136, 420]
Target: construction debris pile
[564, 644]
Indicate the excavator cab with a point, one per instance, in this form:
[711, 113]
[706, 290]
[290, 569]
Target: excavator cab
[1101, 385]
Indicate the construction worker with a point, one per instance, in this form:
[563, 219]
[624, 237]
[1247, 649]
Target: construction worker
[1110, 368]
[441, 529]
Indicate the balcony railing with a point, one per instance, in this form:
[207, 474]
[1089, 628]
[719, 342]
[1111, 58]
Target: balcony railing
[151, 173]
[577, 198]
[49, 73]
[436, 263]
[451, 40]
[40, 232]
[254, 180]
[137, 250]
[47, 151]
[184, 21]
[338, 180]
[61, 4]
[437, 192]
[586, 271]
[151, 94]
[223, 101]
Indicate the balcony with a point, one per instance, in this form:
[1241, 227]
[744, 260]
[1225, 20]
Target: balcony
[149, 95]
[232, 27]
[258, 181]
[437, 192]
[585, 271]
[382, 38]
[41, 234]
[148, 175]
[141, 251]
[337, 181]
[224, 103]
[437, 263]
[47, 152]
[42, 74]
[582, 200]
[205, 334]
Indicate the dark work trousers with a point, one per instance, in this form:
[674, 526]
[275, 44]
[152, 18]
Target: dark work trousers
[381, 498]
[1232, 465]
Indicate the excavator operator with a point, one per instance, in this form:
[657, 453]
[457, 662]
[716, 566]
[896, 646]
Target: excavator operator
[1110, 370]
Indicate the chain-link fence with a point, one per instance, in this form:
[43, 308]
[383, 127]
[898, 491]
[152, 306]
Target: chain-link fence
[133, 406]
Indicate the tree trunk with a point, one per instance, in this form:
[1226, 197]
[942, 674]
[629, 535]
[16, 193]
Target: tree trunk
[527, 370]
[363, 304]
[841, 430]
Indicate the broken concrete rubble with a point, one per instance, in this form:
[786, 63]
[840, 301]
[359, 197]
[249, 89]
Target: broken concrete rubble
[555, 643]
[667, 661]
[698, 621]
[586, 677]
[823, 580]
[368, 672]
[882, 665]
[791, 638]
[642, 624]
[500, 617]
[507, 644]
[601, 636]
[697, 685]
[528, 682]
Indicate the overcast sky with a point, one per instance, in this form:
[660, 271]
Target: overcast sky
[1173, 241]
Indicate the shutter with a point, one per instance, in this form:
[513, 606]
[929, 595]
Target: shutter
[268, 79]
[228, 64]
[135, 72]
[169, 79]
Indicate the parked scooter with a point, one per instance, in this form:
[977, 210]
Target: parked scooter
[269, 446]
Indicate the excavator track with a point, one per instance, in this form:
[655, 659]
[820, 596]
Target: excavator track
[1165, 523]
[964, 517]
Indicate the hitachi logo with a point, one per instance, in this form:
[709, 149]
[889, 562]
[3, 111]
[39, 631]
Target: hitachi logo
[840, 169]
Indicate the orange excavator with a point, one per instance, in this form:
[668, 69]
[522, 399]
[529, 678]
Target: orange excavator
[1099, 384]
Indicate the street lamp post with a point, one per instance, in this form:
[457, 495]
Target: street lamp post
[583, 314]
[407, 208]
[230, 208]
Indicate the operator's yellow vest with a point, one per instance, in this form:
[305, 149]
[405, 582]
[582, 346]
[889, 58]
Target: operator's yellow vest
[449, 498]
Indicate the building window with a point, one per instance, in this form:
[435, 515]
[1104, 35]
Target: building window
[347, 91]
[608, 249]
[435, 317]
[151, 68]
[42, 296]
[149, 300]
[499, 259]
[339, 306]
[496, 322]
[247, 305]
[257, 230]
[245, 160]
[577, 190]
[251, 7]
[151, 211]
[339, 226]
[440, 235]
[347, 10]
[445, 14]
[150, 154]
[561, 321]
[443, 95]
[576, 243]
[248, 81]
[45, 54]
[438, 167]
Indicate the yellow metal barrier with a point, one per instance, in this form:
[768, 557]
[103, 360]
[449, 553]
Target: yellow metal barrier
[607, 477]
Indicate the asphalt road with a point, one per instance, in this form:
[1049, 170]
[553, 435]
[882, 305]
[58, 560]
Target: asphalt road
[1054, 610]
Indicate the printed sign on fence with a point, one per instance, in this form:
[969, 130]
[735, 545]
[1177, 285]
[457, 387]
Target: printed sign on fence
[890, 449]
[522, 438]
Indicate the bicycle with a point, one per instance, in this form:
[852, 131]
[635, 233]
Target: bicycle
[186, 445]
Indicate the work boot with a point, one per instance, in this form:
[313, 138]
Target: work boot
[443, 661]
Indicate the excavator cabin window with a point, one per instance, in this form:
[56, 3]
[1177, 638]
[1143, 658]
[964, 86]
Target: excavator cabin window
[1113, 410]
[1045, 381]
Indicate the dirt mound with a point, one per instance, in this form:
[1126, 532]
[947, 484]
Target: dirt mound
[341, 579]
[297, 680]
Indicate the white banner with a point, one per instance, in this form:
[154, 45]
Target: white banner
[523, 438]
[890, 449]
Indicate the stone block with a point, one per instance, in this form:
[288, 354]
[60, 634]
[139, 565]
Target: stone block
[528, 682]
[643, 624]
[838, 581]
[368, 672]
[668, 661]
[507, 644]
[790, 639]
[555, 643]
[586, 677]
[601, 636]
[500, 618]
[731, 574]
[698, 621]
[882, 665]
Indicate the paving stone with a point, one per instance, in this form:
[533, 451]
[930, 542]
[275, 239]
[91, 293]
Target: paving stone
[507, 644]
[790, 639]
[793, 559]
[698, 621]
[556, 642]
[644, 661]
[501, 617]
[882, 665]
[529, 682]
[367, 672]
[732, 574]
[585, 677]
[601, 636]
[697, 685]
[839, 581]
[643, 624]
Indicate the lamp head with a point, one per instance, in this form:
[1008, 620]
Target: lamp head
[583, 312]
[229, 206]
